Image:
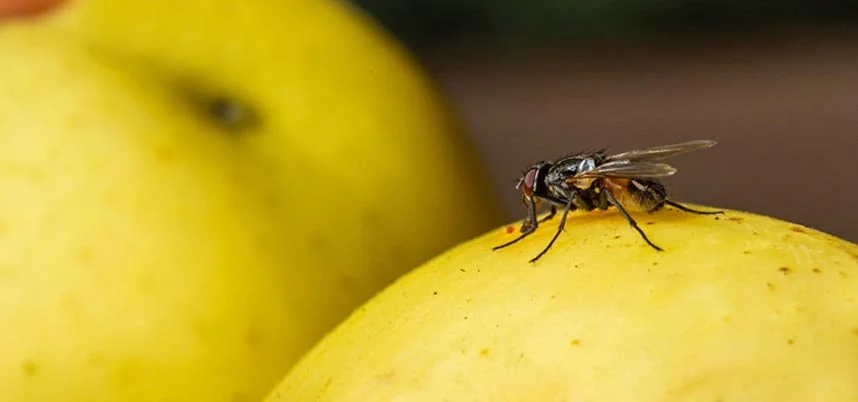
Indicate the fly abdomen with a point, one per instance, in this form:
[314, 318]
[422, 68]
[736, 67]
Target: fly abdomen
[649, 194]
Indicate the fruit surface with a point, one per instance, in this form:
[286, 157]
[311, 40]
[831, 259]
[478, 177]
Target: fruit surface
[739, 307]
[190, 201]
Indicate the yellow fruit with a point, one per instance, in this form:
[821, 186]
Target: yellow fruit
[738, 307]
[154, 250]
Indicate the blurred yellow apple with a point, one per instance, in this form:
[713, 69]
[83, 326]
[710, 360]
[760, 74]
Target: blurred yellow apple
[194, 192]
[738, 307]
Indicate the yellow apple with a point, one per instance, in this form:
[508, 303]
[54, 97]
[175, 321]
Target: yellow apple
[194, 192]
[739, 307]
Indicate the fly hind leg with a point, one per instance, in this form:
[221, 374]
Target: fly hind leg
[693, 211]
[610, 197]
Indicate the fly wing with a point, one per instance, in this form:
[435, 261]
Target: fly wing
[629, 170]
[661, 151]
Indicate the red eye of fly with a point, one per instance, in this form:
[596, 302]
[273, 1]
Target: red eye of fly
[529, 182]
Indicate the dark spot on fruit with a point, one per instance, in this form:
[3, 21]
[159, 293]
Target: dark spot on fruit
[797, 229]
[232, 114]
[30, 368]
[791, 341]
[239, 397]
[717, 218]
[785, 270]
[770, 285]
[252, 337]
[746, 252]
[318, 244]
[650, 223]
[434, 293]
[754, 233]
[85, 254]
[164, 153]
[654, 263]
[617, 237]
[466, 317]
[736, 219]
[462, 269]
[485, 352]
[94, 358]
[347, 282]
[510, 229]
[575, 342]
[817, 270]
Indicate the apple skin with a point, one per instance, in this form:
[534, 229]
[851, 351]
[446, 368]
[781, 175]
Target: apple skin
[190, 206]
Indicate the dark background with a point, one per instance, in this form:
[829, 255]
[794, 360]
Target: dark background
[775, 83]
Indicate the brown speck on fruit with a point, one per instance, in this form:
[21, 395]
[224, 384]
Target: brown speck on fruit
[755, 233]
[435, 293]
[736, 219]
[510, 229]
[650, 223]
[791, 341]
[797, 229]
[746, 252]
[770, 285]
[654, 263]
[575, 342]
[617, 237]
[485, 352]
[252, 338]
[817, 271]
[29, 368]
[239, 397]
[717, 218]
[164, 153]
[347, 282]
[462, 269]
[785, 270]
[85, 254]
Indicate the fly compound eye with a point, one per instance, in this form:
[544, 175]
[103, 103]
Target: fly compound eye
[529, 182]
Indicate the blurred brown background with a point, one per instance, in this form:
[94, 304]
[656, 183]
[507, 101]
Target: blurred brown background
[778, 91]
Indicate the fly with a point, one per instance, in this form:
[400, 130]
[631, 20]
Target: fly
[595, 180]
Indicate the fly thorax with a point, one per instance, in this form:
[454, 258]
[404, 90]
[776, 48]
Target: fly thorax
[586, 165]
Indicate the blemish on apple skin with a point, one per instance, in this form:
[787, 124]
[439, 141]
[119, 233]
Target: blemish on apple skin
[785, 270]
[29, 368]
[239, 396]
[233, 114]
[94, 358]
[164, 153]
[797, 229]
[85, 254]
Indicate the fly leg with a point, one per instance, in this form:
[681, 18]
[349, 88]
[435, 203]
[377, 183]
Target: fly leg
[527, 227]
[550, 215]
[559, 228]
[686, 209]
[628, 217]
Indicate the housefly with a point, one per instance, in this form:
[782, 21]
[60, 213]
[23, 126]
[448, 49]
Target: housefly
[595, 180]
